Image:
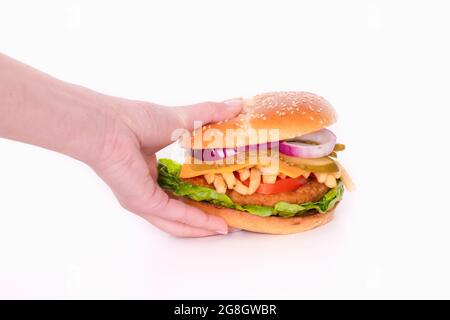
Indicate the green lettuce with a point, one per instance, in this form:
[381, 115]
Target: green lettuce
[168, 178]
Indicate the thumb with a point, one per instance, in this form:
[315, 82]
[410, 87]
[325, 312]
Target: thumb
[166, 120]
[207, 112]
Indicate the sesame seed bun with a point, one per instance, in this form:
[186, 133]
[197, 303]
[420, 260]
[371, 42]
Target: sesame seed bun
[254, 223]
[291, 113]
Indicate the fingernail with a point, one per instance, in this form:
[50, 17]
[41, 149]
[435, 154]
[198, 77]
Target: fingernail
[234, 103]
[222, 231]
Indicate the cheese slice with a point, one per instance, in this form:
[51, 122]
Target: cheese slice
[290, 171]
[195, 170]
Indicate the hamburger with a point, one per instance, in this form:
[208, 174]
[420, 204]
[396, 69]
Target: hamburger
[271, 169]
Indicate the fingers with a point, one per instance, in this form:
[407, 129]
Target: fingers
[175, 210]
[137, 192]
[178, 229]
[162, 125]
[207, 112]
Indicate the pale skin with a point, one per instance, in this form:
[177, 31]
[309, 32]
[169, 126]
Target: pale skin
[116, 137]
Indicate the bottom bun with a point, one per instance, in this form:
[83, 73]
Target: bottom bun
[254, 223]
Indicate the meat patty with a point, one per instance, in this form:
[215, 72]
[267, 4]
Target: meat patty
[309, 192]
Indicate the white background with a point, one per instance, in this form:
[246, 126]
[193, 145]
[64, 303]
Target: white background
[385, 67]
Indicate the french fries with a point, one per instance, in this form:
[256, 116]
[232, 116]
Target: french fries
[268, 169]
[331, 181]
[269, 178]
[209, 178]
[255, 180]
[257, 175]
[321, 177]
[240, 188]
[327, 179]
[337, 175]
[244, 174]
[229, 179]
[219, 184]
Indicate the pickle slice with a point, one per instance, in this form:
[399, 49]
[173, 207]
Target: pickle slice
[324, 164]
[339, 147]
[333, 154]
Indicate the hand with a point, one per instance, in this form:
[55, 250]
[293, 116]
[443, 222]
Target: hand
[118, 138]
[127, 162]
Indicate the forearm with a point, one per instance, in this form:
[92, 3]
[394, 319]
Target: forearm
[40, 110]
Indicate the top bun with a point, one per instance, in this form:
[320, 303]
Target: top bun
[292, 113]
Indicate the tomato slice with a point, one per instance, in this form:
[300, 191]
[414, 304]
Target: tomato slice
[282, 185]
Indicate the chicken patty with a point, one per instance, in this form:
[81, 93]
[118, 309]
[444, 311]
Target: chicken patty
[309, 192]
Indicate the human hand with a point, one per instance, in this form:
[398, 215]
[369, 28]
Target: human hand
[118, 138]
[125, 160]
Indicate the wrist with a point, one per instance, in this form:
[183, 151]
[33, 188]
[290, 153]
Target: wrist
[82, 122]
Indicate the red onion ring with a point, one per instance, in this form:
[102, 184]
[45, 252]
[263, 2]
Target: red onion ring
[215, 154]
[296, 147]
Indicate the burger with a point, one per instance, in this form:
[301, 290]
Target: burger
[271, 169]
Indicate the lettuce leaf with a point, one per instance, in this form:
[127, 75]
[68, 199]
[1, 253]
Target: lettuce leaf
[168, 178]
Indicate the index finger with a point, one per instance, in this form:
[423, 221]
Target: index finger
[176, 210]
